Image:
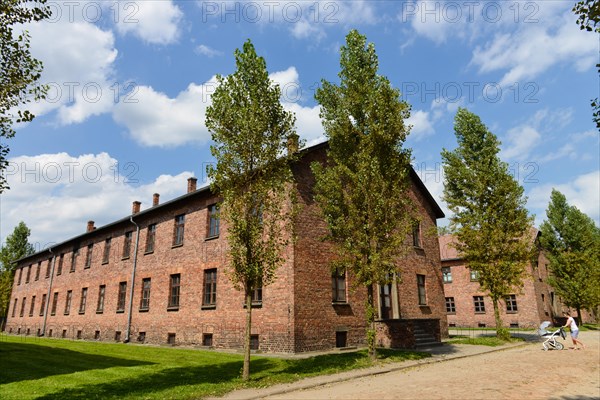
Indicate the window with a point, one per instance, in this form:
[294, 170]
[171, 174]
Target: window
[101, 294]
[61, 260]
[416, 234]
[127, 244]
[23, 307]
[43, 306]
[210, 287]
[341, 339]
[213, 221]
[338, 283]
[97, 335]
[117, 336]
[257, 296]
[20, 276]
[179, 228]
[207, 339]
[48, 266]
[32, 306]
[88, 256]
[171, 338]
[385, 295]
[479, 304]
[28, 274]
[54, 303]
[106, 254]
[145, 300]
[150, 238]
[79, 334]
[174, 287]
[68, 302]
[421, 290]
[474, 276]
[141, 337]
[450, 306]
[74, 259]
[121, 296]
[254, 342]
[83, 300]
[447, 274]
[511, 303]
[38, 270]
[15, 308]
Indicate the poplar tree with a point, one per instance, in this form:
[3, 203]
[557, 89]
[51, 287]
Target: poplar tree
[19, 70]
[489, 218]
[251, 131]
[571, 240]
[363, 189]
[16, 247]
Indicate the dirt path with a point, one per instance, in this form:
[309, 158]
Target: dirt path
[523, 372]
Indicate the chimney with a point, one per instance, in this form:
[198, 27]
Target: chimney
[135, 208]
[292, 143]
[90, 226]
[155, 198]
[192, 184]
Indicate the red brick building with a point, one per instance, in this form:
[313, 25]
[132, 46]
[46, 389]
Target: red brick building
[159, 276]
[468, 306]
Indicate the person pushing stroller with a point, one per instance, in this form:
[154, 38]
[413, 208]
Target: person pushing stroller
[574, 331]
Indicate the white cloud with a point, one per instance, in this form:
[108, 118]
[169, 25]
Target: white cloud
[421, 124]
[56, 194]
[154, 119]
[582, 192]
[155, 22]
[78, 62]
[519, 142]
[530, 51]
[208, 51]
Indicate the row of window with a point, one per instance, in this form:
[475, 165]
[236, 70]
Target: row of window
[178, 236]
[209, 296]
[479, 305]
[447, 275]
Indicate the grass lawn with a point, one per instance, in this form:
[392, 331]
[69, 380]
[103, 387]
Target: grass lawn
[63, 369]
[481, 340]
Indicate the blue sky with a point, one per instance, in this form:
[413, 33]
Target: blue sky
[130, 82]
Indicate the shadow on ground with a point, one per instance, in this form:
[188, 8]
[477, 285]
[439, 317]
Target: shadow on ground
[26, 361]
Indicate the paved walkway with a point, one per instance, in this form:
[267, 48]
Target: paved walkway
[439, 354]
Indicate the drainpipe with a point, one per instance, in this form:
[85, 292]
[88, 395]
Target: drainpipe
[47, 305]
[135, 251]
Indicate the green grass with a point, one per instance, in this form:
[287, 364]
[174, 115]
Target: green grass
[482, 340]
[63, 369]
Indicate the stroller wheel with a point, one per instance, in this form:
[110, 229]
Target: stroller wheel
[559, 346]
[545, 347]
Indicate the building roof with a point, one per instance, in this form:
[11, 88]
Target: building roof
[206, 190]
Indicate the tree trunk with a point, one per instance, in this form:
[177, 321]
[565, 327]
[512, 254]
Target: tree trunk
[371, 324]
[501, 332]
[246, 370]
[579, 317]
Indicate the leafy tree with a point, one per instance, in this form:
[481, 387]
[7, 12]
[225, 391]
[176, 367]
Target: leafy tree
[19, 71]
[489, 218]
[251, 131]
[363, 189]
[572, 242]
[17, 246]
[588, 13]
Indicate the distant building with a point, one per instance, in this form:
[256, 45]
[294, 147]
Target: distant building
[468, 306]
[159, 276]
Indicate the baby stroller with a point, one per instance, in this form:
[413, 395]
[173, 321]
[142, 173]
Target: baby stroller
[551, 341]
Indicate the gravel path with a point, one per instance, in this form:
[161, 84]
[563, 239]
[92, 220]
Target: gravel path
[522, 372]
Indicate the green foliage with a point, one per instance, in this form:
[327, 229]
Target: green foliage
[251, 131]
[63, 369]
[363, 189]
[16, 247]
[489, 218]
[572, 242]
[588, 19]
[19, 71]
